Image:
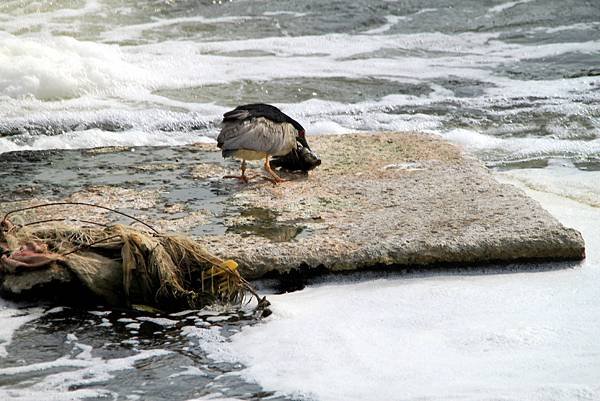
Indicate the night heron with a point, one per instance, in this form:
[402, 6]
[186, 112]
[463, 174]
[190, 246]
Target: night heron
[259, 131]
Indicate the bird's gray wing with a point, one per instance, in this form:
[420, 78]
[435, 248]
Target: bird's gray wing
[258, 134]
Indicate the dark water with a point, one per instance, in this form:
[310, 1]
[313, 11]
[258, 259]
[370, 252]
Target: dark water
[169, 364]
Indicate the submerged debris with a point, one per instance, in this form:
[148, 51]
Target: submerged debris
[119, 264]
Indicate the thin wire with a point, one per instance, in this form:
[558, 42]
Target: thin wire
[49, 220]
[82, 204]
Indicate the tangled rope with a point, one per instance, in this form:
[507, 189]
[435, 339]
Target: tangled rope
[156, 268]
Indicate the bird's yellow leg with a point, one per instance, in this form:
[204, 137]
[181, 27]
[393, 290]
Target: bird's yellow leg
[243, 167]
[275, 178]
[242, 177]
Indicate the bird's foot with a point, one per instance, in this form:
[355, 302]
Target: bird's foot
[243, 178]
[274, 180]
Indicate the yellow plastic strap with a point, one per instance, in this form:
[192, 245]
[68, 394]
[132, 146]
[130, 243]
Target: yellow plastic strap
[230, 264]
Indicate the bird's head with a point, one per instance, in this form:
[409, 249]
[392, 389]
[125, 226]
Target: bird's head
[301, 158]
[301, 137]
[300, 133]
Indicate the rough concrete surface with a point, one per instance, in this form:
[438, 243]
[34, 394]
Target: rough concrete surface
[392, 199]
[396, 200]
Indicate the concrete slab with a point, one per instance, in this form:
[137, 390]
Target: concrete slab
[386, 200]
[390, 200]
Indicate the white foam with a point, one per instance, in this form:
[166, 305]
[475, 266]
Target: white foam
[73, 395]
[97, 138]
[48, 67]
[342, 118]
[41, 366]
[97, 81]
[578, 26]
[291, 13]
[76, 114]
[472, 140]
[56, 309]
[507, 336]
[181, 63]
[527, 148]
[583, 26]
[335, 52]
[97, 76]
[380, 121]
[100, 313]
[161, 321]
[31, 17]
[12, 318]
[325, 127]
[505, 6]
[86, 351]
[217, 397]
[183, 313]
[391, 20]
[508, 89]
[88, 371]
[189, 371]
[562, 179]
[70, 338]
[347, 45]
[210, 334]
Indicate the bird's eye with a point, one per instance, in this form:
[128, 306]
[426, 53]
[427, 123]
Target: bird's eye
[301, 133]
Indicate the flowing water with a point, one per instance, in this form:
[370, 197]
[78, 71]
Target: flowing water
[516, 83]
